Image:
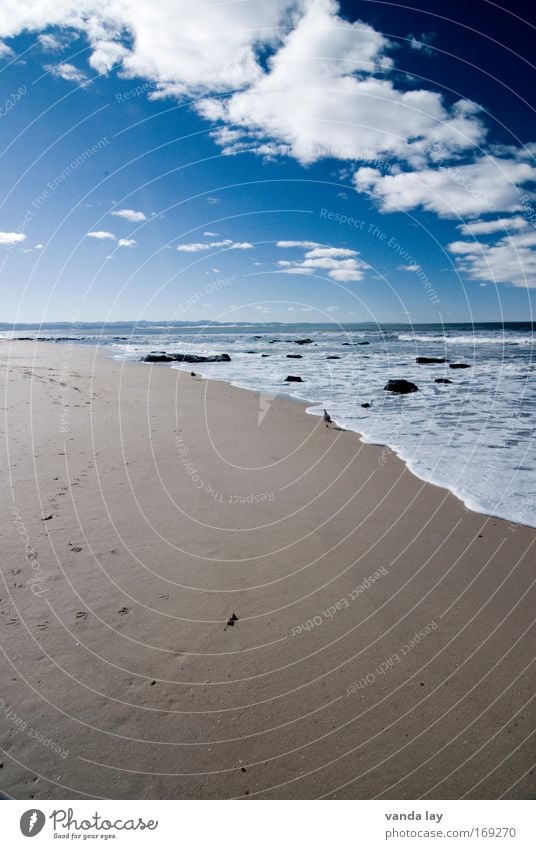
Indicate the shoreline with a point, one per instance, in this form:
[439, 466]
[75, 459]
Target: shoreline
[309, 404]
[383, 632]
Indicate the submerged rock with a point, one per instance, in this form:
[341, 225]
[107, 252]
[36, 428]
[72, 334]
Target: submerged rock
[442, 380]
[293, 378]
[459, 365]
[303, 342]
[401, 387]
[424, 361]
[294, 357]
[334, 357]
[186, 358]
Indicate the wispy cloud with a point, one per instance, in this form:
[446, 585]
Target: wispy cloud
[473, 228]
[126, 243]
[52, 43]
[66, 71]
[196, 247]
[5, 51]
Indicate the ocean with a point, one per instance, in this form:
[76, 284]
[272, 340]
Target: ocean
[473, 436]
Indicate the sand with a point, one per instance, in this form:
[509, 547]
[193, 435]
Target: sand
[384, 634]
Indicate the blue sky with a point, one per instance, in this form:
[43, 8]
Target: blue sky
[289, 161]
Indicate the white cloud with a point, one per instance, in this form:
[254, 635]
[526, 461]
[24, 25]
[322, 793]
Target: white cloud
[51, 43]
[5, 51]
[305, 81]
[126, 243]
[474, 228]
[130, 215]
[325, 94]
[213, 201]
[11, 238]
[422, 43]
[414, 267]
[209, 235]
[102, 234]
[341, 264]
[66, 71]
[300, 244]
[196, 247]
[489, 184]
[511, 259]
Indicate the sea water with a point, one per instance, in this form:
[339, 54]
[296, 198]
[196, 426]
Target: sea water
[474, 436]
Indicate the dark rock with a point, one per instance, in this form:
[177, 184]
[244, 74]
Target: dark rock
[333, 358]
[292, 378]
[366, 405]
[362, 343]
[442, 380]
[250, 352]
[294, 357]
[257, 337]
[157, 358]
[424, 361]
[401, 387]
[186, 358]
[304, 342]
[272, 341]
[459, 365]
[265, 355]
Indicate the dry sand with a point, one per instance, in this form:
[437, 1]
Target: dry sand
[142, 508]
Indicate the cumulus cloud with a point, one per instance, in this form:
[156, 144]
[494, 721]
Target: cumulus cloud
[511, 259]
[126, 243]
[326, 94]
[102, 234]
[11, 238]
[196, 247]
[341, 264]
[489, 184]
[494, 225]
[66, 71]
[304, 80]
[130, 215]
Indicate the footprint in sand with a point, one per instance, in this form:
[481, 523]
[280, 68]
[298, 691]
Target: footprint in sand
[76, 548]
[82, 614]
[123, 611]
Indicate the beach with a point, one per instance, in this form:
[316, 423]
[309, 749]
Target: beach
[383, 634]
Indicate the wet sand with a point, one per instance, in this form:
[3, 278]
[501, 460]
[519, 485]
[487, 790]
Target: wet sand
[384, 638]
